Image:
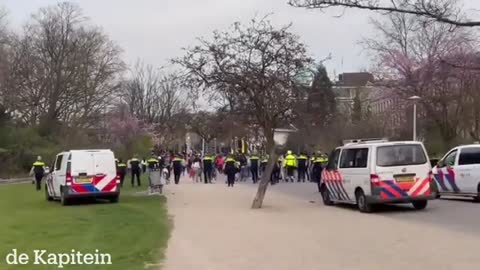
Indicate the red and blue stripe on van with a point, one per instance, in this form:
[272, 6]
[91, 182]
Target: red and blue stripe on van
[334, 184]
[100, 183]
[390, 189]
[442, 178]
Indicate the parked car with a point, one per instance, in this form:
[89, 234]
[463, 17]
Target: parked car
[458, 172]
[377, 171]
[83, 173]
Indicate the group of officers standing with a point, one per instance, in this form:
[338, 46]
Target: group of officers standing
[289, 168]
[138, 167]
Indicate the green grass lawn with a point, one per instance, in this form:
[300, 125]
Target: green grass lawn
[134, 232]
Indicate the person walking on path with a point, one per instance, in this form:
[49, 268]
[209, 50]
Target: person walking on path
[317, 171]
[302, 167]
[254, 160]
[178, 164]
[230, 169]
[290, 163]
[38, 170]
[196, 169]
[208, 169]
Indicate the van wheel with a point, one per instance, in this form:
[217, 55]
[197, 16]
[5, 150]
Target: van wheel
[362, 203]
[420, 205]
[477, 199]
[114, 199]
[47, 196]
[326, 196]
[63, 198]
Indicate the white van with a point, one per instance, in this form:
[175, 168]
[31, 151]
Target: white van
[376, 171]
[83, 173]
[458, 172]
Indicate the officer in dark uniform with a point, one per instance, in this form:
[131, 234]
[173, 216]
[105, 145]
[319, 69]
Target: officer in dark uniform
[207, 169]
[317, 170]
[177, 168]
[263, 164]
[152, 163]
[302, 167]
[38, 170]
[135, 170]
[121, 171]
[230, 169]
[254, 160]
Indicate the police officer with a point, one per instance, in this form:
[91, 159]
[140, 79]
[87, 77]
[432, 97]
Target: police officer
[177, 168]
[275, 176]
[135, 170]
[38, 170]
[207, 169]
[317, 170]
[263, 164]
[152, 163]
[254, 160]
[302, 167]
[144, 165]
[121, 170]
[290, 163]
[230, 169]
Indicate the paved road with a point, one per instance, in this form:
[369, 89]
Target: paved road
[460, 215]
[216, 229]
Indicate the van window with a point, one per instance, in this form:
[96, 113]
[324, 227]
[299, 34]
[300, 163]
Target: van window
[449, 160]
[400, 155]
[333, 160]
[58, 163]
[354, 158]
[469, 156]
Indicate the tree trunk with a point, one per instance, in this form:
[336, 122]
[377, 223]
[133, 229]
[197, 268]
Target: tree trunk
[262, 187]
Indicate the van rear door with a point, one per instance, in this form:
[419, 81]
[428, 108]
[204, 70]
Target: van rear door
[105, 171]
[404, 167]
[82, 166]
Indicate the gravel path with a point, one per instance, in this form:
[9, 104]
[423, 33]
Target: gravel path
[215, 229]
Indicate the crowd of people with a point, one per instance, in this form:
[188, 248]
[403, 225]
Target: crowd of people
[237, 167]
[200, 168]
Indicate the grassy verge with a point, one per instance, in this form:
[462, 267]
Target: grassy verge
[134, 232]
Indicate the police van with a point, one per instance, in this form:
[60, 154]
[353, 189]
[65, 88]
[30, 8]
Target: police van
[458, 172]
[377, 171]
[83, 173]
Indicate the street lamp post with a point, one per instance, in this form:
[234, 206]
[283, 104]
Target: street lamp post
[415, 99]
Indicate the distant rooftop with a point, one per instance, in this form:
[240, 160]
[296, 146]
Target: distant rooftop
[355, 79]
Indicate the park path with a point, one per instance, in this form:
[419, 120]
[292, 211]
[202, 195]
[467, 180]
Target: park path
[215, 229]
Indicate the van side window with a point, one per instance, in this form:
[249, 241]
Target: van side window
[58, 163]
[450, 159]
[333, 160]
[354, 158]
[469, 156]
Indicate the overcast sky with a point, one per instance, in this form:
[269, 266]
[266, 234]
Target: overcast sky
[156, 30]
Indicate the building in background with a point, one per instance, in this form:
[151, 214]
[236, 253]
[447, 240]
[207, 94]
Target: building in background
[349, 86]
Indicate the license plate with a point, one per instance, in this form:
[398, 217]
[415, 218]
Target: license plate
[404, 179]
[83, 180]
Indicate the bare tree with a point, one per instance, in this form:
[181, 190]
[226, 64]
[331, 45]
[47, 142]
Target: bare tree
[254, 66]
[444, 11]
[157, 99]
[63, 69]
[4, 56]
[411, 58]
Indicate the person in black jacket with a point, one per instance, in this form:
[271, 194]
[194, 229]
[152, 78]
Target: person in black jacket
[230, 169]
[38, 170]
[135, 170]
[121, 171]
[254, 163]
[177, 168]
